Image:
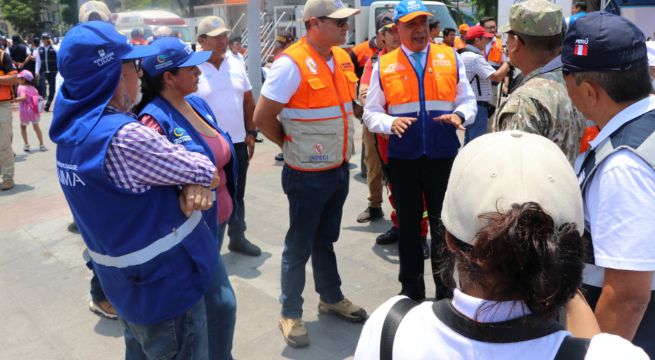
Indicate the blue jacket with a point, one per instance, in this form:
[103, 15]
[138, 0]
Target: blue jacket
[153, 262]
[179, 131]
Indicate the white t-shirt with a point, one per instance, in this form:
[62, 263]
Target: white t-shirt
[619, 206]
[283, 79]
[223, 89]
[422, 336]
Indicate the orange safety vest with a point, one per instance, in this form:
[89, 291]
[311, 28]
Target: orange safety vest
[363, 51]
[7, 92]
[407, 97]
[316, 120]
[459, 43]
[495, 55]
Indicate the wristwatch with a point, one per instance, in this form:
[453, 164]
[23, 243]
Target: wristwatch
[461, 116]
[252, 132]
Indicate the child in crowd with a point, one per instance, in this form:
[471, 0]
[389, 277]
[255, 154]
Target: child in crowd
[28, 97]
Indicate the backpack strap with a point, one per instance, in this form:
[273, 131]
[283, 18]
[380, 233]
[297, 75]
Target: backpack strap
[391, 324]
[572, 348]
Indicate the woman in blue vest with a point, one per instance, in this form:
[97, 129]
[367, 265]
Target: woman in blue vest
[136, 198]
[166, 106]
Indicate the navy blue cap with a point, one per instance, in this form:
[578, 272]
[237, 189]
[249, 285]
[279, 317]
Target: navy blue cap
[173, 54]
[603, 42]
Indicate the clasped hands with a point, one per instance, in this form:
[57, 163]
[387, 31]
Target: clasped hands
[197, 197]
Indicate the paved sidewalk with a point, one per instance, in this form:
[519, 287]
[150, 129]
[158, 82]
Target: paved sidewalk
[45, 284]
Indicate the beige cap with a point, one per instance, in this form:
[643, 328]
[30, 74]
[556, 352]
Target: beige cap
[91, 7]
[535, 18]
[499, 169]
[212, 26]
[334, 9]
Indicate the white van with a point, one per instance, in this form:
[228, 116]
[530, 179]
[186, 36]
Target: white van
[149, 21]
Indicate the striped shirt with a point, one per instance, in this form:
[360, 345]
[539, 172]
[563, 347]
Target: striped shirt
[139, 158]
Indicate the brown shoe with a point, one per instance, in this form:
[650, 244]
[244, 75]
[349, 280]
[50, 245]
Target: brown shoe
[6, 185]
[294, 332]
[103, 308]
[344, 309]
[370, 214]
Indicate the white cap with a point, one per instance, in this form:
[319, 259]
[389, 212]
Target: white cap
[212, 26]
[91, 7]
[650, 47]
[334, 9]
[499, 169]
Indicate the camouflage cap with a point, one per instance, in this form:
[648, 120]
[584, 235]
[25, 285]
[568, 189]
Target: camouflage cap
[535, 18]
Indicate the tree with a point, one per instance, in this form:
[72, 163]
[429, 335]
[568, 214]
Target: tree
[486, 8]
[24, 15]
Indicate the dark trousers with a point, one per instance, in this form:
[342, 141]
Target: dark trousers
[645, 337]
[412, 181]
[51, 78]
[237, 223]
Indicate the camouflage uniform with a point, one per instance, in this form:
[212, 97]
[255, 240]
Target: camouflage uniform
[540, 104]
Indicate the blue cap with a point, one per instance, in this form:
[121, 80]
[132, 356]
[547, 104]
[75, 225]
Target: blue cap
[406, 10]
[89, 60]
[173, 54]
[603, 42]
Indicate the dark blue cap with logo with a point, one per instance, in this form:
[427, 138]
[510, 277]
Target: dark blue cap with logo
[603, 42]
[173, 54]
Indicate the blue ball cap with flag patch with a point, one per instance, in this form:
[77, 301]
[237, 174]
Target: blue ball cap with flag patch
[407, 10]
[603, 42]
[173, 54]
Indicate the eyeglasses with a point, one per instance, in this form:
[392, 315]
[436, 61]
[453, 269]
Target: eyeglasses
[136, 63]
[338, 22]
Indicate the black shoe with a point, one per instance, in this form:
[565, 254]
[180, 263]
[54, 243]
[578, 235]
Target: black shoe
[279, 157]
[426, 248]
[259, 139]
[389, 237]
[370, 214]
[73, 228]
[242, 245]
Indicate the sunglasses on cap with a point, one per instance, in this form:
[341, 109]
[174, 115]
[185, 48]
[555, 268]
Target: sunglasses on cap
[338, 22]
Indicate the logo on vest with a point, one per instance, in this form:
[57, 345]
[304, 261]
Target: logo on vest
[67, 175]
[103, 58]
[319, 156]
[393, 68]
[311, 65]
[180, 136]
[441, 61]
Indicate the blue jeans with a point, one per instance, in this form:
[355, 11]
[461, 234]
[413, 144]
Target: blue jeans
[479, 127]
[221, 307]
[183, 337]
[315, 206]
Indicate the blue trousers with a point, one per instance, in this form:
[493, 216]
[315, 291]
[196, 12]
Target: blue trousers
[315, 206]
[479, 127]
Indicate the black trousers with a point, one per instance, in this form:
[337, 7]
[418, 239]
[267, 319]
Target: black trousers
[51, 79]
[414, 180]
[645, 336]
[237, 223]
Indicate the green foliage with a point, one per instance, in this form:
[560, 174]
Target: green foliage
[486, 8]
[24, 15]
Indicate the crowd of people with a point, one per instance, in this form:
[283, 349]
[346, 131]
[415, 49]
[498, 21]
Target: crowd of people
[537, 248]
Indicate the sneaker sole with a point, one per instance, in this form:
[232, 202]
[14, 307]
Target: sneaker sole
[98, 311]
[352, 319]
[291, 342]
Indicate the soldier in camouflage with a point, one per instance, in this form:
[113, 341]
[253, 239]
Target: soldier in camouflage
[540, 103]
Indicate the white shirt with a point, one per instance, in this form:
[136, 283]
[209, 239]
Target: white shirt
[421, 335]
[223, 89]
[375, 115]
[619, 205]
[283, 79]
[238, 56]
[476, 65]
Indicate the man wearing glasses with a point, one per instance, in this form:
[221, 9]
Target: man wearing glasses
[311, 88]
[540, 103]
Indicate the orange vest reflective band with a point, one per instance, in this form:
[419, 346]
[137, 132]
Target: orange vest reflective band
[459, 43]
[316, 121]
[495, 55]
[400, 83]
[7, 92]
[363, 52]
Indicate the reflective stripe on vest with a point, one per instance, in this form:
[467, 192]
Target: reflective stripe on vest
[151, 251]
[414, 107]
[316, 120]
